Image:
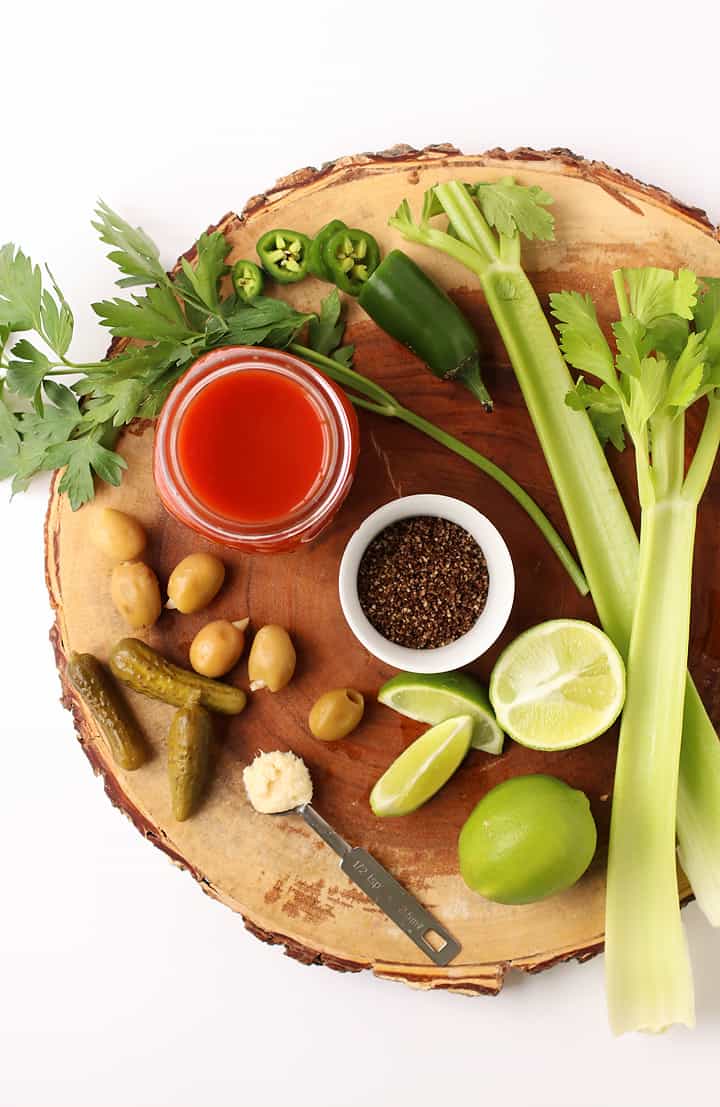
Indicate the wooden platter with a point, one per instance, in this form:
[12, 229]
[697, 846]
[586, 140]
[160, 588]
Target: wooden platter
[284, 882]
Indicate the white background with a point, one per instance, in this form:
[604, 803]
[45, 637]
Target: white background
[120, 984]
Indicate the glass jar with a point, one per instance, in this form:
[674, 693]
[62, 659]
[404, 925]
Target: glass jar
[337, 454]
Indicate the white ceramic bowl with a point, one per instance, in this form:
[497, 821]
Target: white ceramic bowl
[501, 591]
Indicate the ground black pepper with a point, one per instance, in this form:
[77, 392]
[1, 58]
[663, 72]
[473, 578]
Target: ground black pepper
[423, 582]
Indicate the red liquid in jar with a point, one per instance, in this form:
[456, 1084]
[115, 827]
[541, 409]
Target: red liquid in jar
[251, 446]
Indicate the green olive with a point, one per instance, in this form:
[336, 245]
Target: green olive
[336, 714]
[195, 582]
[136, 593]
[271, 663]
[117, 535]
[218, 647]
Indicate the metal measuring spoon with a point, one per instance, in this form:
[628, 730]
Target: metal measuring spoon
[384, 890]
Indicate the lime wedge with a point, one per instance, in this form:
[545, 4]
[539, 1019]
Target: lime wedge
[434, 697]
[559, 685]
[422, 769]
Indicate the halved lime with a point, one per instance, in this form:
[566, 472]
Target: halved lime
[434, 697]
[558, 685]
[422, 769]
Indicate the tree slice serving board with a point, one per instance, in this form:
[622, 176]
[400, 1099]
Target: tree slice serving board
[274, 872]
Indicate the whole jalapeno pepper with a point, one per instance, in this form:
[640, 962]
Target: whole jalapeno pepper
[247, 279]
[316, 262]
[407, 304]
[351, 256]
[284, 255]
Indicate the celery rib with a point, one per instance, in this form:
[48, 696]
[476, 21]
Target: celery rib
[647, 967]
[598, 520]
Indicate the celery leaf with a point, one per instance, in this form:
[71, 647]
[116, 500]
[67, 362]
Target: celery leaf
[604, 407]
[513, 208]
[633, 344]
[687, 374]
[581, 338]
[402, 221]
[668, 335]
[658, 292]
[707, 319]
[647, 393]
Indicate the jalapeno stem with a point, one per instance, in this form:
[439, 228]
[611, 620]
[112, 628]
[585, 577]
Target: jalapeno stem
[372, 397]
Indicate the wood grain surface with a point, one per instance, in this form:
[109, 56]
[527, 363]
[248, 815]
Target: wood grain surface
[280, 878]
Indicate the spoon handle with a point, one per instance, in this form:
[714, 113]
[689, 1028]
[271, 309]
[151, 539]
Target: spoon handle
[427, 932]
[384, 890]
[326, 832]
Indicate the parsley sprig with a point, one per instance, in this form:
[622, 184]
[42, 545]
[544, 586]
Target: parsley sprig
[44, 424]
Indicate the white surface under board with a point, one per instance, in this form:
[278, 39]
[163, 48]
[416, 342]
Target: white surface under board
[120, 984]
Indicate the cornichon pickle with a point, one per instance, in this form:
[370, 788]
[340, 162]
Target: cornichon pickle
[188, 756]
[145, 670]
[89, 678]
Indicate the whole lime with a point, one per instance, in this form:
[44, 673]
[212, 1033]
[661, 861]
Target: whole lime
[528, 838]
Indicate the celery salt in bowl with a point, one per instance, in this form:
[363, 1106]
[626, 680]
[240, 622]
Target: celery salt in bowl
[458, 577]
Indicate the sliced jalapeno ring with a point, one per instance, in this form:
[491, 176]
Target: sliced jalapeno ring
[351, 256]
[284, 255]
[316, 261]
[247, 279]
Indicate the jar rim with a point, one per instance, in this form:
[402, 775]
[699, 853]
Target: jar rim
[340, 432]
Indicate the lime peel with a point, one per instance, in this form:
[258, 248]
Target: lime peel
[422, 769]
[530, 837]
[434, 697]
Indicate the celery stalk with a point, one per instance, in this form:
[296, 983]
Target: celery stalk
[661, 368]
[600, 525]
[599, 522]
[649, 981]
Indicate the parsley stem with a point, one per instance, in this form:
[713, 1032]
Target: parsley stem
[376, 399]
[510, 485]
[348, 378]
[82, 367]
[368, 405]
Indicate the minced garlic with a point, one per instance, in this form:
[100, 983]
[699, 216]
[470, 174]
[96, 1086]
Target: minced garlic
[277, 782]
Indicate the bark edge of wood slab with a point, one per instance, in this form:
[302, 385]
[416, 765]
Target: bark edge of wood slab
[632, 220]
